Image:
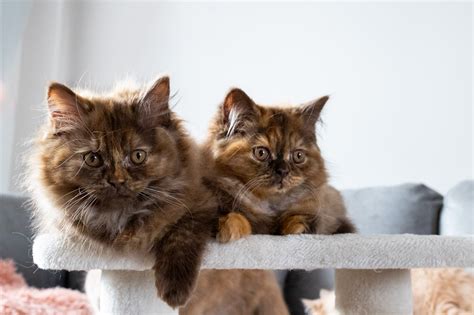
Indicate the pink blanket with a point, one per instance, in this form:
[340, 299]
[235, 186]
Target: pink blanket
[17, 298]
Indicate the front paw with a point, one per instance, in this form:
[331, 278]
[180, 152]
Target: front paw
[294, 225]
[232, 227]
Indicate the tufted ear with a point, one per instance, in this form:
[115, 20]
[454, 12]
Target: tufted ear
[65, 107]
[237, 107]
[312, 110]
[154, 108]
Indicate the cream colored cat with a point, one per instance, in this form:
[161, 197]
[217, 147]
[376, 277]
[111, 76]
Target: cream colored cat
[435, 292]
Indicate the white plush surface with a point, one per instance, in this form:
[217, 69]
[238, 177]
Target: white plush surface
[349, 251]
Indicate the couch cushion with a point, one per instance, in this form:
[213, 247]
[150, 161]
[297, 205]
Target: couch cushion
[407, 208]
[457, 216]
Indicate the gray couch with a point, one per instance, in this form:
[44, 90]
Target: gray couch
[408, 208]
[16, 242]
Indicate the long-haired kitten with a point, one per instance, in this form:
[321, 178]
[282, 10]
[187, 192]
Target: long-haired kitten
[118, 169]
[435, 292]
[269, 172]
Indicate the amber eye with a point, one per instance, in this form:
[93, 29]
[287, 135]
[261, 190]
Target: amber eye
[299, 156]
[261, 153]
[93, 159]
[138, 157]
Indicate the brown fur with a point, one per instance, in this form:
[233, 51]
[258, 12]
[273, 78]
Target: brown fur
[236, 292]
[277, 195]
[158, 206]
[435, 292]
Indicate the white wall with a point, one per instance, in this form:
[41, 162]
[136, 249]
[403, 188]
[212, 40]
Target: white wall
[400, 75]
[13, 18]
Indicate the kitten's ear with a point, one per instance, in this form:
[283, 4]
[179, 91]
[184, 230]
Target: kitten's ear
[237, 110]
[65, 107]
[235, 103]
[154, 107]
[312, 110]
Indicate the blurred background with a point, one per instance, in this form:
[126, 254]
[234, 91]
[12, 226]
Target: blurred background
[400, 75]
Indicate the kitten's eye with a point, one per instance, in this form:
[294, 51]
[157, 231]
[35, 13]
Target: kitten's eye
[138, 157]
[93, 159]
[299, 156]
[261, 153]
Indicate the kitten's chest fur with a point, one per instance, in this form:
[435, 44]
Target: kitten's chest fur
[271, 206]
[128, 226]
[115, 221]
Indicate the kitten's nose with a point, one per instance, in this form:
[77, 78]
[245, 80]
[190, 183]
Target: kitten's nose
[116, 183]
[282, 170]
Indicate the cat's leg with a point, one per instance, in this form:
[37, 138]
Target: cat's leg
[233, 226]
[315, 224]
[178, 258]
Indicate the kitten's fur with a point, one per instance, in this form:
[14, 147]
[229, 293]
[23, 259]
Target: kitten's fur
[280, 194]
[157, 205]
[435, 291]
[236, 292]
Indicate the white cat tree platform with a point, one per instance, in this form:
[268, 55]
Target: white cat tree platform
[372, 272]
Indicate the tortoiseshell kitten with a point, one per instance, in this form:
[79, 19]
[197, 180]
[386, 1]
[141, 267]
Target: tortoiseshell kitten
[269, 172]
[119, 169]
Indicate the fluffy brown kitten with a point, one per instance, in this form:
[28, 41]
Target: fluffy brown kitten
[269, 172]
[236, 292]
[120, 170]
[435, 291]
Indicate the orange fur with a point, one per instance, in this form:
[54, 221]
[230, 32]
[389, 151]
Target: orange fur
[236, 292]
[232, 227]
[443, 292]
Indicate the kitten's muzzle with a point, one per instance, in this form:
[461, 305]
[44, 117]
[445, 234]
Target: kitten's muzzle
[120, 187]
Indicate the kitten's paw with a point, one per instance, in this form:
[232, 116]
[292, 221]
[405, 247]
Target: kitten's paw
[232, 227]
[294, 225]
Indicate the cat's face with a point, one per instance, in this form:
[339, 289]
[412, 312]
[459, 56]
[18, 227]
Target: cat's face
[271, 150]
[109, 152]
